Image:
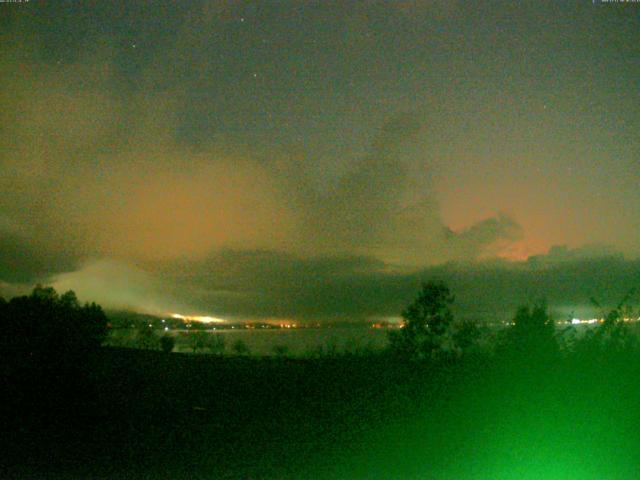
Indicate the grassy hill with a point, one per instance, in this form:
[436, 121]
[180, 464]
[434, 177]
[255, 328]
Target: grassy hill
[145, 414]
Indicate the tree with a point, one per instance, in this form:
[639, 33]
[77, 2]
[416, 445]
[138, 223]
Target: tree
[197, 340]
[465, 336]
[45, 346]
[167, 342]
[216, 344]
[145, 338]
[240, 348]
[46, 293]
[426, 322]
[93, 323]
[281, 351]
[613, 335]
[533, 331]
[69, 300]
[46, 324]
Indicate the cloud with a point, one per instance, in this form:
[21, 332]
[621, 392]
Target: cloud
[488, 237]
[560, 254]
[76, 181]
[100, 175]
[258, 284]
[104, 193]
[119, 286]
[264, 284]
[24, 259]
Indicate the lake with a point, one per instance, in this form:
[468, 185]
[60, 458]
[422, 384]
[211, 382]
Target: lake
[293, 342]
[297, 342]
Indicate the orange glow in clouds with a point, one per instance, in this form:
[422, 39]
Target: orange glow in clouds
[212, 204]
[521, 251]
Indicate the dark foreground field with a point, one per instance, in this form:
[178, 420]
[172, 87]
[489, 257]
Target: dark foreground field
[141, 414]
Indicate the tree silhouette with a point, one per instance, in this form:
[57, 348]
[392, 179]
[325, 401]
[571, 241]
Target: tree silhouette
[426, 322]
[240, 348]
[281, 351]
[167, 342]
[216, 344]
[45, 344]
[613, 335]
[145, 337]
[465, 336]
[46, 324]
[197, 340]
[532, 332]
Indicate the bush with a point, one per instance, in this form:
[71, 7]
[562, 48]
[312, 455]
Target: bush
[216, 344]
[240, 348]
[146, 339]
[197, 340]
[207, 342]
[167, 342]
[281, 351]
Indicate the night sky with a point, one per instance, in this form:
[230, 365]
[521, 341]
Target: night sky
[317, 160]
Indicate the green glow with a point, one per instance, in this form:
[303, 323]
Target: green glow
[560, 422]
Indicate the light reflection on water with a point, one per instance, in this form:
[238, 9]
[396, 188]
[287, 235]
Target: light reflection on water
[311, 341]
[299, 341]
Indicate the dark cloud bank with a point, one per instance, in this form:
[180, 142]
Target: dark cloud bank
[269, 284]
[263, 284]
